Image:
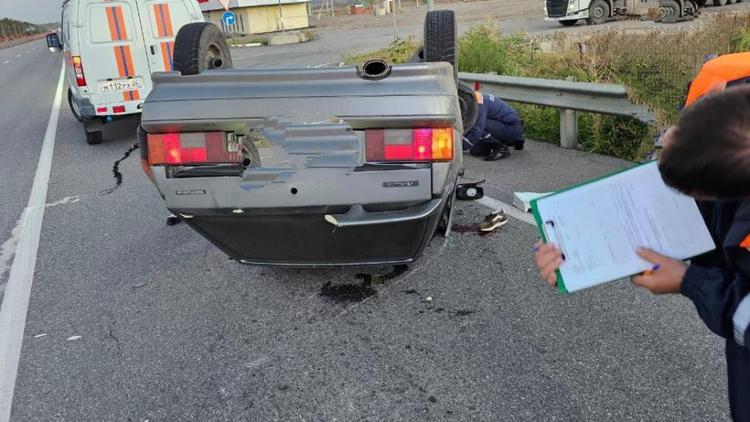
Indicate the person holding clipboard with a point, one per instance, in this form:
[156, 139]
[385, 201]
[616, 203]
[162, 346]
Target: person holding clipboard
[717, 282]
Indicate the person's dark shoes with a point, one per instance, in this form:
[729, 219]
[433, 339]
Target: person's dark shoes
[497, 154]
[518, 145]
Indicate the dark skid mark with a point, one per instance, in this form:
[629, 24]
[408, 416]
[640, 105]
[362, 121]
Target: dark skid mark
[347, 293]
[464, 312]
[116, 170]
[410, 292]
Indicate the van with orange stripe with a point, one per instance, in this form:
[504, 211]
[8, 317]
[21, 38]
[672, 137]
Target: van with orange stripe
[111, 48]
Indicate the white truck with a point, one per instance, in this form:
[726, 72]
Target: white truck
[569, 12]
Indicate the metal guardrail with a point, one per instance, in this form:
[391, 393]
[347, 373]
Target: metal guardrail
[568, 96]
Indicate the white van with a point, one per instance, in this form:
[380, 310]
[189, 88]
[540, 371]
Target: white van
[111, 49]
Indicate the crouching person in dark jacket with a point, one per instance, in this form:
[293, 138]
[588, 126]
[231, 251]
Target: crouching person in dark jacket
[718, 283]
[498, 125]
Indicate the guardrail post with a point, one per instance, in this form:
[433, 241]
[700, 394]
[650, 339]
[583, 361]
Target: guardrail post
[568, 129]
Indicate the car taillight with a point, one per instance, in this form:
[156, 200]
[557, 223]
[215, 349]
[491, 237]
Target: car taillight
[78, 69]
[193, 148]
[409, 145]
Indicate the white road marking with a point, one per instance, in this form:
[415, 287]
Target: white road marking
[73, 338]
[510, 210]
[18, 290]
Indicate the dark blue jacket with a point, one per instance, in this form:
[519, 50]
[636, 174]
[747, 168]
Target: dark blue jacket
[492, 108]
[718, 283]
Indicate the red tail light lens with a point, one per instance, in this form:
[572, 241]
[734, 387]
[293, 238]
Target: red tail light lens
[409, 145]
[118, 109]
[78, 69]
[192, 149]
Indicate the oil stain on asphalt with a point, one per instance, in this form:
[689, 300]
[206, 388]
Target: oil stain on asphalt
[357, 292]
[116, 170]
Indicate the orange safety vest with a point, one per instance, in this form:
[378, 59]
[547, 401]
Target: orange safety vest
[716, 74]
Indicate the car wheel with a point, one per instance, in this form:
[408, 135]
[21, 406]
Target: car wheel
[446, 219]
[718, 2]
[74, 109]
[598, 12]
[469, 107]
[568, 23]
[200, 46]
[669, 11]
[440, 43]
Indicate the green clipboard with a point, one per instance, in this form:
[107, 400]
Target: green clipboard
[540, 223]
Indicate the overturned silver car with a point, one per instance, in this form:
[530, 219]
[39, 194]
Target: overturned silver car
[308, 167]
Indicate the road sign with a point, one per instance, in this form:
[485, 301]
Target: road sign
[229, 18]
[225, 3]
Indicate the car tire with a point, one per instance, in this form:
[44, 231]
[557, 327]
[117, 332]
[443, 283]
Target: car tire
[718, 2]
[200, 46]
[568, 23]
[469, 106]
[598, 12]
[74, 109]
[446, 218]
[669, 11]
[440, 42]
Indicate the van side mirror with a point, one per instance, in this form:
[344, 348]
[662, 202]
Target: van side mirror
[53, 43]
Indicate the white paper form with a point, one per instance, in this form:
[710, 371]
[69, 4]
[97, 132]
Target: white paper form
[600, 225]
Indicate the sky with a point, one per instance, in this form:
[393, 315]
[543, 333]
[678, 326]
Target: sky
[34, 11]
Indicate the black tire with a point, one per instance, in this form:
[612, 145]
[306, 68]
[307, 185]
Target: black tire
[701, 3]
[74, 106]
[568, 23]
[669, 10]
[469, 107]
[93, 138]
[598, 12]
[718, 2]
[200, 46]
[440, 42]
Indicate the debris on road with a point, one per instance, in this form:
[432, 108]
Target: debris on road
[74, 338]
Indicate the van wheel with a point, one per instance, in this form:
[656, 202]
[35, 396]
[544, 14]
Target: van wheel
[440, 43]
[93, 138]
[200, 46]
[74, 109]
[469, 107]
[598, 12]
[92, 130]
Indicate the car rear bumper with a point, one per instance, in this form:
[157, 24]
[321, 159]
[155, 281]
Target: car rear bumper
[314, 239]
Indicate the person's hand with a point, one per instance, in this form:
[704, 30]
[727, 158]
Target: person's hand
[667, 278]
[548, 258]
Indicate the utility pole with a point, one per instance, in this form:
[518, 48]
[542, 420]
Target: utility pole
[395, 28]
[429, 5]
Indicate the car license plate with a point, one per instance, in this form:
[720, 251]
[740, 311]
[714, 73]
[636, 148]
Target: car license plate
[119, 85]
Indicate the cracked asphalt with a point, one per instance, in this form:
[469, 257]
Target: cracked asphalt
[131, 319]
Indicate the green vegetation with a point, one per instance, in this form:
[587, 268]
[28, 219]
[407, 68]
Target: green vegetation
[400, 51]
[655, 65]
[12, 29]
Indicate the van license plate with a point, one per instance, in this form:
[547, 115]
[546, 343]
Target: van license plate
[121, 85]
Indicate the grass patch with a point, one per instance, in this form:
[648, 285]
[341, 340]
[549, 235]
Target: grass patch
[656, 66]
[399, 51]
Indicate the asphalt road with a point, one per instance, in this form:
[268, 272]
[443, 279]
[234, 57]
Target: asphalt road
[130, 319]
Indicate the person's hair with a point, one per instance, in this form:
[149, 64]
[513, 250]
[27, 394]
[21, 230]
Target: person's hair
[709, 153]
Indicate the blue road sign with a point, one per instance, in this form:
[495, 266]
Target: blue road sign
[229, 18]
